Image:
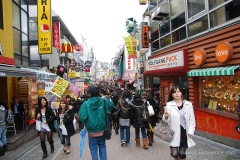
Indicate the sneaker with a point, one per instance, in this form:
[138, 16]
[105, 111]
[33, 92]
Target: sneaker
[127, 144]
[122, 143]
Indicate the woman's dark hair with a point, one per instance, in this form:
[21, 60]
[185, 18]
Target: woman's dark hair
[115, 97]
[126, 94]
[137, 96]
[60, 108]
[94, 91]
[173, 90]
[40, 100]
[149, 98]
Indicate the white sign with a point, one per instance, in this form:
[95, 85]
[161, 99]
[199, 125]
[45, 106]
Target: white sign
[48, 86]
[167, 61]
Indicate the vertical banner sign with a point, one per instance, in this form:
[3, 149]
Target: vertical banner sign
[56, 35]
[44, 27]
[145, 38]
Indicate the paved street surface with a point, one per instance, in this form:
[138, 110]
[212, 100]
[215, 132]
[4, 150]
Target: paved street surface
[204, 150]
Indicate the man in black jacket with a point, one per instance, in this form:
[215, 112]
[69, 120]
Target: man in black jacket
[18, 110]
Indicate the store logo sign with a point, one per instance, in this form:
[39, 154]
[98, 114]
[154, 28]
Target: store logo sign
[224, 52]
[199, 56]
[44, 27]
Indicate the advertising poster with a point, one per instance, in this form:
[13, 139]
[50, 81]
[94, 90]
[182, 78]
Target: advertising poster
[32, 96]
[59, 87]
[80, 87]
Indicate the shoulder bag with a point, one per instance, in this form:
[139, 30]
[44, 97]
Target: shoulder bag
[150, 109]
[163, 131]
[145, 114]
[107, 130]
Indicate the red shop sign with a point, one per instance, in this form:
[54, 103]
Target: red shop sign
[56, 34]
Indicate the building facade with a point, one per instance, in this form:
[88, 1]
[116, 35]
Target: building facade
[195, 44]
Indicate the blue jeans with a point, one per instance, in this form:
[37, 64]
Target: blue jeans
[64, 139]
[3, 138]
[127, 133]
[96, 143]
[143, 130]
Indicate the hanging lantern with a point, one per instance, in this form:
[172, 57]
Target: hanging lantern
[131, 25]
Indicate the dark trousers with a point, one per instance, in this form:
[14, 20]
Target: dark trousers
[18, 120]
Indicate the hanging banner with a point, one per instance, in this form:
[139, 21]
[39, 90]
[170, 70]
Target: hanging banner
[44, 27]
[59, 86]
[56, 35]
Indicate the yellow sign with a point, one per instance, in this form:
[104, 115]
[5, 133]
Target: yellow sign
[44, 27]
[59, 86]
[71, 75]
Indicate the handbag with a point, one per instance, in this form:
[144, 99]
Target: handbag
[163, 131]
[107, 130]
[116, 114]
[145, 114]
[150, 109]
[38, 125]
[64, 130]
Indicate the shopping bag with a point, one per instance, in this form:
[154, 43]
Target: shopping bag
[150, 109]
[64, 130]
[38, 125]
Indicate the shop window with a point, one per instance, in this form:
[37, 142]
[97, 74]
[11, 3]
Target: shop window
[164, 27]
[17, 59]
[154, 31]
[1, 15]
[24, 45]
[179, 35]
[220, 93]
[155, 45]
[16, 41]
[195, 7]
[24, 5]
[24, 22]
[198, 26]
[16, 16]
[166, 41]
[225, 13]
[214, 3]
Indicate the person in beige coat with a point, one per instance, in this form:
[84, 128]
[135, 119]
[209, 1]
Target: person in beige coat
[179, 113]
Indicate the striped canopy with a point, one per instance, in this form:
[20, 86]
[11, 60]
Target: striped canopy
[216, 71]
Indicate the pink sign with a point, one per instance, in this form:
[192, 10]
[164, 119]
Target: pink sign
[56, 34]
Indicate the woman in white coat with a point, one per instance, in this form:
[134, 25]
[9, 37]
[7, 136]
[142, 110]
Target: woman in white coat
[179, 113]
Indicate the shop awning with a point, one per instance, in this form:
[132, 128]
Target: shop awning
[216, 71]
[11, 71]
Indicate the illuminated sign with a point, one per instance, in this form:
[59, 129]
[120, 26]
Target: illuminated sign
[44, 27]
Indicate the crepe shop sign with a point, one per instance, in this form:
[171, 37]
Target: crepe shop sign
[224, 52]
[166, 61]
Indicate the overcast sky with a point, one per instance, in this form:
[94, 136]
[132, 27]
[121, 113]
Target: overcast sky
[101, 22]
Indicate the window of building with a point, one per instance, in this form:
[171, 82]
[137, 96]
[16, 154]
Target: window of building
[195, 7]
[155, 45]
[154, 31]
[225, 13]
[198, 26]
[164, 27]
[166, 41]
[20, 32]
[220, 93]
[179, 35]
[178, 21]
[214, 3]
[1, 15]
[177, 7]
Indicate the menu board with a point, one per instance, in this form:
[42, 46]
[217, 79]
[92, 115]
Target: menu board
[59, 86]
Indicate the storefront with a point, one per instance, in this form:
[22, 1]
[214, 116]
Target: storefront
[128, 78]
[213, 79]
[169, 68]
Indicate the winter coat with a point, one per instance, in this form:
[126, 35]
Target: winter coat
[174, 120]
[68, 121]
[92, 113]
[50, 117]
[115, 102]
[137, 113]
[125, 109]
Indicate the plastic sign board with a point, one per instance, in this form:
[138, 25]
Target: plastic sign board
[199, 56]
[145, 38]
[224, 52]
[44, 27]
